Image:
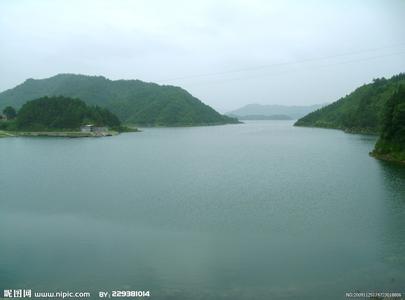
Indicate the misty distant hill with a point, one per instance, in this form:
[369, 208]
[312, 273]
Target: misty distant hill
[133, 101]
[294, 112]
[263, 117]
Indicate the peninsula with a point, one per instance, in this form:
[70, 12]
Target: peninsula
[59, 117]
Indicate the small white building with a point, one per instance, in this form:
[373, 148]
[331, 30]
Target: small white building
[86, 128]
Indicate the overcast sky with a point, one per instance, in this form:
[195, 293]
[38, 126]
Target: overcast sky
[227, 53]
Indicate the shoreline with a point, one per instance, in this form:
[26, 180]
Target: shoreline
[354, 130]
[69, 134]
[387, 158]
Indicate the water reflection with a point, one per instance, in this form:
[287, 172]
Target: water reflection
[393, 215]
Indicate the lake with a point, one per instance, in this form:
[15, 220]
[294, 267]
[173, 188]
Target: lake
[260, 210]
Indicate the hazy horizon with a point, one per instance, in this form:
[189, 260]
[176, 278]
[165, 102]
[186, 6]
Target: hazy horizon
[228, 54]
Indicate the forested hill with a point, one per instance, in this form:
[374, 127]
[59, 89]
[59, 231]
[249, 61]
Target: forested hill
[391, 145]
[61, 113]
[360, 111]
[133, 101]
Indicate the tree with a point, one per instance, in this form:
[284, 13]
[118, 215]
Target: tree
[10, 112]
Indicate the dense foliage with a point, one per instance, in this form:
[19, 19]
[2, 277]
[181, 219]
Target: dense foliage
[391, 144]
[8, 125]
[61, 113]
[362, 110]
[10, 112]
[133, 101]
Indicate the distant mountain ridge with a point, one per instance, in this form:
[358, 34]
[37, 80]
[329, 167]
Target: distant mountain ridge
[133, 101]
[294, 112]
[262, 117]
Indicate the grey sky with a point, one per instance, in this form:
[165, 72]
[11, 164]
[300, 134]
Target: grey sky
[227, 53]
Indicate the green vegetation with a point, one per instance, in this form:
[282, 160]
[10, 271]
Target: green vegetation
[7, 125]
[133, 101]
[361, 111]
[391, 145]
[60, 116]
[10, 112]
[378, 107]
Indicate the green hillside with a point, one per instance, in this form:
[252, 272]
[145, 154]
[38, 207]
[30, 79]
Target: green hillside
[360, 111]
[391, 145]
[133, 101]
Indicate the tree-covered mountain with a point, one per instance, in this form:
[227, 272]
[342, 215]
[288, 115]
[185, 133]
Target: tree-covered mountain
[294, 111]
[61, 113]
[391, 145]
[133, 101]
[360, 111]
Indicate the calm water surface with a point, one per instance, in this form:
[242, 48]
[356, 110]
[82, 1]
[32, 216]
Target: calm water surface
[260, 210]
